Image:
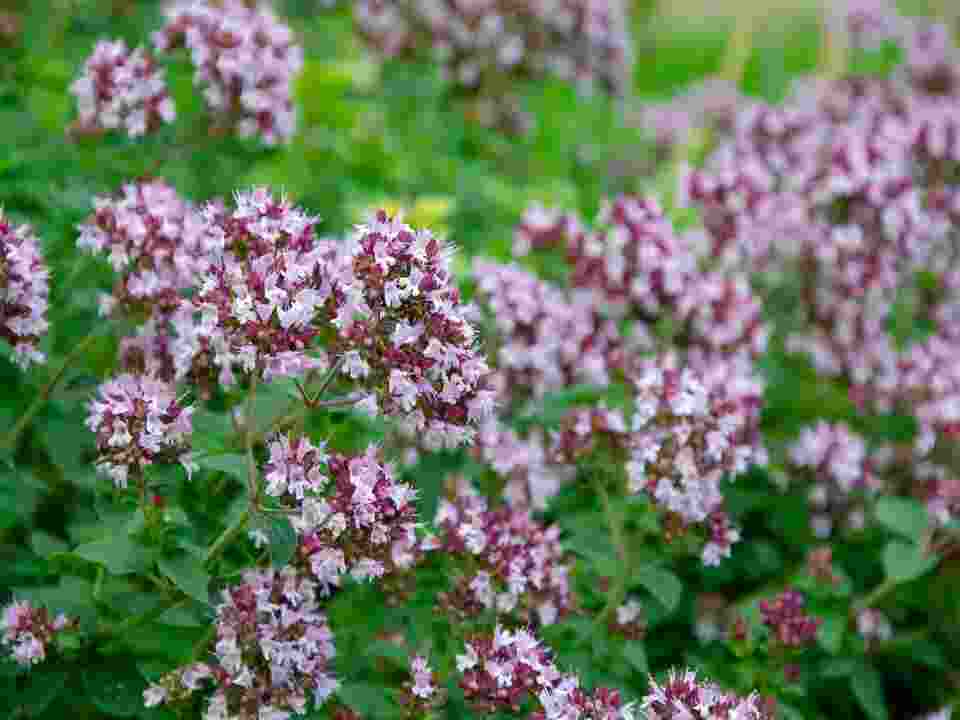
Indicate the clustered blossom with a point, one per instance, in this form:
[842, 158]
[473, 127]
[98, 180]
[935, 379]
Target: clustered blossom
[483, 47]
[354, 516]
[519, 567]
[421, 694]
[840, 465]
[29, 630]
[683, 441]
[873, 626]
[138, 420]
[272, 655]
[154, 240]
[245, 58]
[531, 474]
[24, 290]
[503, 670]
[785, 618]
[684, 697]
[547, 339]
[120, 88]
[404, 335]
[255, 308]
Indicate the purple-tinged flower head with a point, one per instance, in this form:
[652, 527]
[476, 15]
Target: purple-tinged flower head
[245, 60]
[404, 335]
[355, 518]
[684, 697]
[629, 620]
[138, 420]
[149, 352]
[500, 671]
[785, 618]
[585, 430]
[255, 309]
[869, 23]
[564, 698]
[841, 467]
[121, 89]
[482, 47]
[24, 292]
[525, 464]
[819, 565]
[633, 260]
[546, 339]
[543, 228]
[518, 568]
[939, 486]
[155, 241]
[722, 314]
[711, 103]
[28, 631]
[272, 655]
[873, 626]
[932, 62]
[684, 440]
[421, 694]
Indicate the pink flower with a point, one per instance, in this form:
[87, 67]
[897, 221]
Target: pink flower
[24, 290]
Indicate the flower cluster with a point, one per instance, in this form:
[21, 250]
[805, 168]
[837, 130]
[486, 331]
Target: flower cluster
[684, 440]
[547, 339]
[483, 46]
[254, 310]
[421, 695]
[519, 567]
[403, 332]
[155, 241]
[137, 420]
[841, 466]
[526, 464]
[120, 88]
[503, 670]
[245, 59]
[273, 652]
[785, 618]
[873, 626]
[29, 630]
[364, 524]
[24, 290]
[684, 697]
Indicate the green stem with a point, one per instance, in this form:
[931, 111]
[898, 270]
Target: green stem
[40, 400]
[203, 642]
[836, 44]
[226, 537]
[618, 591]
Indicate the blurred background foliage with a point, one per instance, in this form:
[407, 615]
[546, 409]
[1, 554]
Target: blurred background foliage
[368, 137]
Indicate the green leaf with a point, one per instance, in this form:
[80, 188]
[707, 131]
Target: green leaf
[283, 541]
[187, 573]
[115, 689]
[230, 463]
[636, 655]
[43, 685]
[830, 633]
[118, 553]
[903, 516]
[867, 686]
[662, 584]
[906, 561]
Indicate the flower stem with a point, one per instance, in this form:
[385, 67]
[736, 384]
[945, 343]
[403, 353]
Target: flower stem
[226, 537]
[618, 591]
[10, 440]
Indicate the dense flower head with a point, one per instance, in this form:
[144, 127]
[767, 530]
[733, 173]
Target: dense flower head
[785, 618]
[684, 440]
[245, 59]
[840, 466]
[404, 334]
[519, 568]
[527, 465]
[29, 630]
[138, 420]
[869, 23]
[873, 625]
[120, 88]
[354, 517]
[478, 45]
[546, 339]
[272, 655]
[684, 697]
[155, 241]
[254, 310]
[711, 104]
[24, 292]
[544, 228]
[585, 430]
